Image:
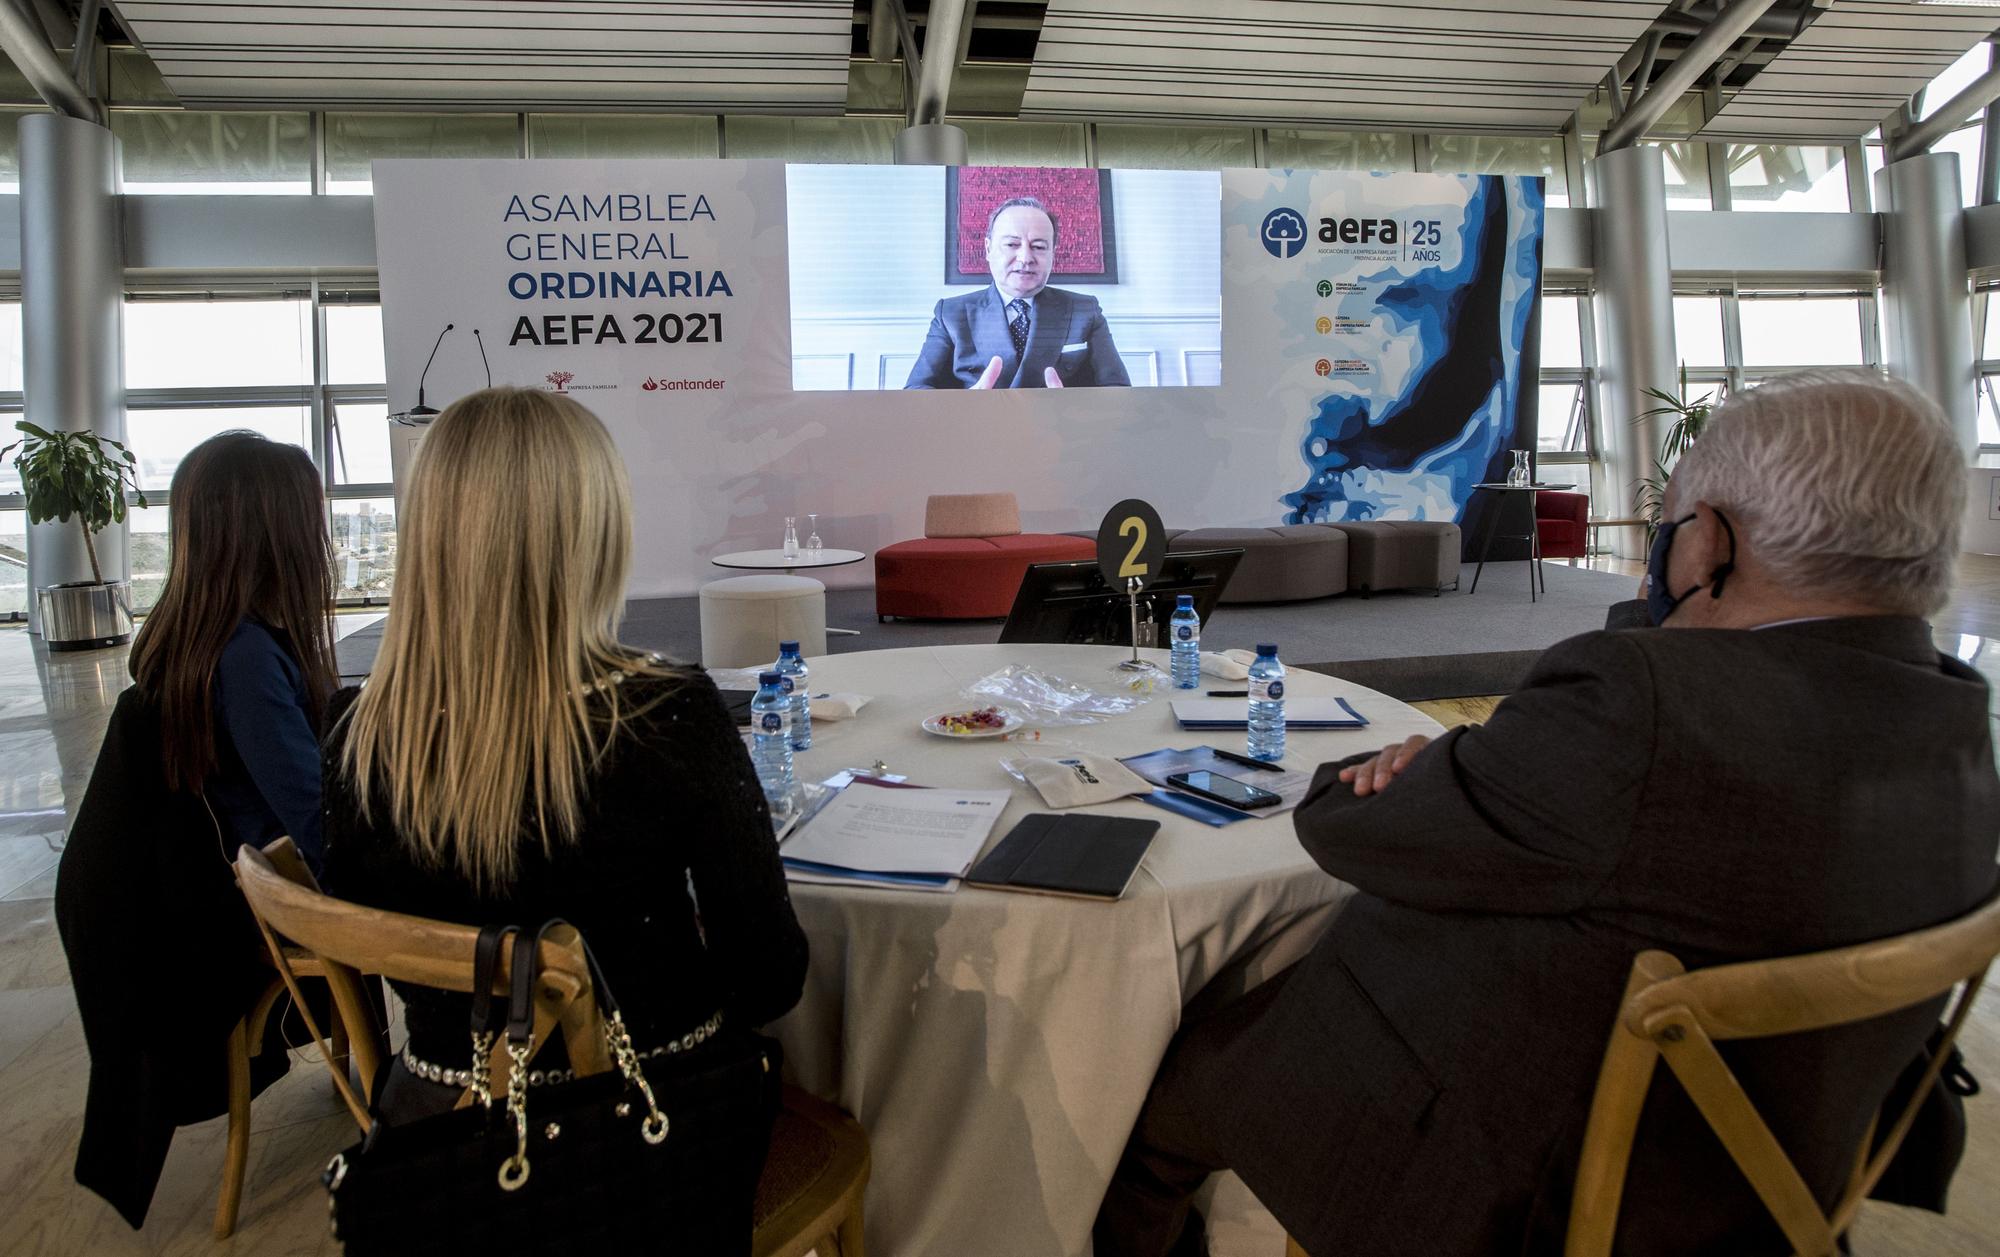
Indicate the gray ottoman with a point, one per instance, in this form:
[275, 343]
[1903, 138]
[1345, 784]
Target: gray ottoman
[1287, 563]
[1401, 554]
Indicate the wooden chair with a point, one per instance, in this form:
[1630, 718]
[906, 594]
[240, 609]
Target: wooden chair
[249, 1030]
[810, 1195]
[1679, 1016]
[1673, 1014]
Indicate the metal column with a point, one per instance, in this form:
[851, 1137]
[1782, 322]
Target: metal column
[72, 319]
[1635, 322]
[1926, 300]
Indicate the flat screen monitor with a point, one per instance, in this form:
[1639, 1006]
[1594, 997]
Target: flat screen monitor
[1073, 603]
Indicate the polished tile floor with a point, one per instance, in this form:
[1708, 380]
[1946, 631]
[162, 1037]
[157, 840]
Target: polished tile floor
[52, 715]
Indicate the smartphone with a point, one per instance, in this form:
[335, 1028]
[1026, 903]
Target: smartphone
[1227, 790]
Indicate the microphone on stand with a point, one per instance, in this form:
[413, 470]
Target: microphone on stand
[419, 415]
[482, 357]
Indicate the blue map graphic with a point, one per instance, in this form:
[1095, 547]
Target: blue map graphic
[1415, 451]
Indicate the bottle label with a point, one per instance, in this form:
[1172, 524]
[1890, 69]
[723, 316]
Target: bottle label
[1267, 691]
[773, 722]
[1184, 633]
[785, 684]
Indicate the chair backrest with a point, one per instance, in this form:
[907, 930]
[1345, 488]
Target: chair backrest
[971, 515]
[1679, 1016]
[350, 940]
[1556, 504]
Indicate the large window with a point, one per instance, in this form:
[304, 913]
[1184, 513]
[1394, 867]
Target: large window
[1173, 148]
[1504, 155]
[1338, 150]
[354, 140]
[1563, 414]
[189, 151]
[1800, 331]
[1808, 177]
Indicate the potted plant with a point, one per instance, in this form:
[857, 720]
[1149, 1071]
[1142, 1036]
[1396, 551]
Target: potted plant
[80, 474]
[1689, 418]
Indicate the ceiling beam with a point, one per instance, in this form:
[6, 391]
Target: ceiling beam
[1978, 94]
[22, 39]
[1704, 52]
[941, 27]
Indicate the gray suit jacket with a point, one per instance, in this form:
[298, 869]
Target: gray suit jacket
[1421, 1081]
[1066, 330]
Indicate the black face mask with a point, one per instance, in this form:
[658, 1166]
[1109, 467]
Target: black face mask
[1659, 600]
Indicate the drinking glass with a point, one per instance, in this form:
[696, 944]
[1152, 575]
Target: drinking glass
[813, 544]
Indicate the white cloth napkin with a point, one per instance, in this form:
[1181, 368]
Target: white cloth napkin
[1079, 780]
[1229, 665]
[837, 706]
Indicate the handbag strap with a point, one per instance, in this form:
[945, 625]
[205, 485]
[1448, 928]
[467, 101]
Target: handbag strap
[486, 1017]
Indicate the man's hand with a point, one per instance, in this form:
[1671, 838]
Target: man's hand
[1375, 775]
[991, 376]
[1050, 378]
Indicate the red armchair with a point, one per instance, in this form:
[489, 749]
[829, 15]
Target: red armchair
[1562, 524]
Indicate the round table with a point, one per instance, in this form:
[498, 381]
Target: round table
[997, 1046]
[776, 559]
[1533, 536]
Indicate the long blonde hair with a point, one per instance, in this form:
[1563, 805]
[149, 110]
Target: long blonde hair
[488, 707]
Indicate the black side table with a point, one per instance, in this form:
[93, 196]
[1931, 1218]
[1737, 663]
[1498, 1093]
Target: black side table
[1533, 536]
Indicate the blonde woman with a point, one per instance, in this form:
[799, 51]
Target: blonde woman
[509, 761]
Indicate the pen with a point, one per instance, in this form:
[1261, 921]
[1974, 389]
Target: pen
[1229, 693]
[1244, 760]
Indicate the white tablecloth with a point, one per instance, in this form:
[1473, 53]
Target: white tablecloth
[997, 1046]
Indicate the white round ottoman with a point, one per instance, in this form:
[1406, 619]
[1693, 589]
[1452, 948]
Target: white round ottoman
[744, 618]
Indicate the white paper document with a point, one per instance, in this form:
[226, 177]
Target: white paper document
[935, 831]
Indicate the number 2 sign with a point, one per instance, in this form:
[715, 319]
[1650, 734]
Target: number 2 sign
[1131, 545]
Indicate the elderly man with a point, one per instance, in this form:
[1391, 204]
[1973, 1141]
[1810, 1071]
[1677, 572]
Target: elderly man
[1788, 765]
[1020, 333]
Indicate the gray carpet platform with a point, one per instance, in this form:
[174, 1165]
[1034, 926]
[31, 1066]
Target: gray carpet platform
[1411, 645]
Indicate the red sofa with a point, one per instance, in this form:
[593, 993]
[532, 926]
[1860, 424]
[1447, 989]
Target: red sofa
[969, 563]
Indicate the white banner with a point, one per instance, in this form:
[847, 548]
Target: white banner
[658, 294]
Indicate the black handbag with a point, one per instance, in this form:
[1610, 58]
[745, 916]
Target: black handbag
[667, 1159]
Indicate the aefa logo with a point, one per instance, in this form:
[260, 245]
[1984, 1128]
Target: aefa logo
[559, 380]
[1284, 232]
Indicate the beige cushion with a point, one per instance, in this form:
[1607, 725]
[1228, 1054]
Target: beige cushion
[744, 618]
[971, 515]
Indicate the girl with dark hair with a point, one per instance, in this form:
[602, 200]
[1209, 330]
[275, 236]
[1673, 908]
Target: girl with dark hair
[237, 655]
[215, 746]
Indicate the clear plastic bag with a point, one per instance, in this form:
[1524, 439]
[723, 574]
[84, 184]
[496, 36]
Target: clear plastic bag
[1040, 698]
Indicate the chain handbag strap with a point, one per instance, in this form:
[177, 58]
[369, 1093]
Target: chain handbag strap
[485, 1014]
[520, 1045]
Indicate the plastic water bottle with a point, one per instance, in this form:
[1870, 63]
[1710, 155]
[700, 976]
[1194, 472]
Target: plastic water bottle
[1267, 705]
[792, 671]
[1185, 629]
[771, 742]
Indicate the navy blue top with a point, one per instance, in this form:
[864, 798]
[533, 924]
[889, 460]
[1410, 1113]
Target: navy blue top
[267, 779]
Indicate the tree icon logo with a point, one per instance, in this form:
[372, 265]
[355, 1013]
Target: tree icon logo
[560, 379]
[1325, 288]
[1284, 232]
[1322, 325]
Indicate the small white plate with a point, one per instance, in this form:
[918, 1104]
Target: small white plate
[1008, 723]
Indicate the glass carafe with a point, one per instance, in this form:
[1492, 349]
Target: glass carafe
[1520, 474]
[791, 537]
[814, 546]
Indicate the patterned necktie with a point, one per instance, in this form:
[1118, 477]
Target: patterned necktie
[1017, 323]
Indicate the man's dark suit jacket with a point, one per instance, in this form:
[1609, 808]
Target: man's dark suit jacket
[1420, 1082]
[1066, 331]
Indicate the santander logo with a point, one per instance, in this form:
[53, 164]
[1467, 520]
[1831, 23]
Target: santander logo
[651, 385]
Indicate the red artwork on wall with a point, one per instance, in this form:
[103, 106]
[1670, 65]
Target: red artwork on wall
[1079, 200]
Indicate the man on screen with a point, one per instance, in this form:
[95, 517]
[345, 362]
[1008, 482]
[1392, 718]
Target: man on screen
[1020, 333]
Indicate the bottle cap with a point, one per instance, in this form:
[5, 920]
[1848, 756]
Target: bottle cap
[788, 648]
[1184, 602]
[1265, 650]
[769, 678]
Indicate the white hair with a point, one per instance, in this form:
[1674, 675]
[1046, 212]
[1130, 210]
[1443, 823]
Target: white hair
[1846, 482]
